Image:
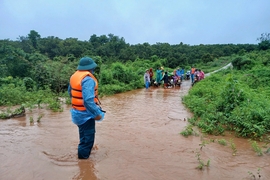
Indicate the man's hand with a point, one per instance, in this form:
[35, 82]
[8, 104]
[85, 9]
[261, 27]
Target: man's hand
[98, 117]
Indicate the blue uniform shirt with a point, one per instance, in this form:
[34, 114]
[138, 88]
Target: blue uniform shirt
[88, 94]
[178, 72]
[182, 71]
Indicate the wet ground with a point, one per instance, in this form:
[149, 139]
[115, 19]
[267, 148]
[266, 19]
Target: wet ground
[139, 139]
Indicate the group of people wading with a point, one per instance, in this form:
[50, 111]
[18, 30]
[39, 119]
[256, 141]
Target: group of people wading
[171, 79]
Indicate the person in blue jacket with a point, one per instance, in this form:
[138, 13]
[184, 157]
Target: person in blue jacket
[178, 72]
[182, 72]
[86, 108]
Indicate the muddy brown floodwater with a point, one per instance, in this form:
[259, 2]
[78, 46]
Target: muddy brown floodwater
[139, 139]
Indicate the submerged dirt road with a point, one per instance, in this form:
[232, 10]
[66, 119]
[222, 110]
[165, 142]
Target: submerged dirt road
[139, 139]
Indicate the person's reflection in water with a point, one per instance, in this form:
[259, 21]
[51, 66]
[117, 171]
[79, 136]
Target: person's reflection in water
[165, 94]
[87, 170]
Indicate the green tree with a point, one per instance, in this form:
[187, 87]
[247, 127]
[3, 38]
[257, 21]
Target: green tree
[207, 58]
[25, 44]
[33, 36]
[51, 46]
[264, 41]
[71, 46]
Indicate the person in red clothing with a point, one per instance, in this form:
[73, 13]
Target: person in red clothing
[201, 74]
[151, 73]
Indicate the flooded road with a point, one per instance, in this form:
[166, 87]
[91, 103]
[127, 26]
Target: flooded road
[139, 139]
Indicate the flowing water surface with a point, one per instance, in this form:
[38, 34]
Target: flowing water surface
[138, 139]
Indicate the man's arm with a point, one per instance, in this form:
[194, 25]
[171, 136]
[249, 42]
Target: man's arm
[69, 90]
[88, 92]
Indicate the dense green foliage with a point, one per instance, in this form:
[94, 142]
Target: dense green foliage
[112, 49]
[18, 91]
[47, 63]
[237, 100]
[51, 78]
[35, 70]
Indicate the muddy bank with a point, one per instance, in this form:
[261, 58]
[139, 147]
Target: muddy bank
[139, 139]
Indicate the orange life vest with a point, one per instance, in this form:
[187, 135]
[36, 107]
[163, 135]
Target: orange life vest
[192, 70]
[76, 89]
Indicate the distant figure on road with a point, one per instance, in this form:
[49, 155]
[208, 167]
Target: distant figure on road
[192, 74]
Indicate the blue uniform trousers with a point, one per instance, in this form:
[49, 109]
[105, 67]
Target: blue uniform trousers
[192, 78]
[87, 138]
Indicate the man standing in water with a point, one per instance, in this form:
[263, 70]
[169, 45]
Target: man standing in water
[83, 90]
[158, 75]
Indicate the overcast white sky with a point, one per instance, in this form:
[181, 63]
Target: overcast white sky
[137, 21]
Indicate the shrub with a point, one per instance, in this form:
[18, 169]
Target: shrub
[242, 63]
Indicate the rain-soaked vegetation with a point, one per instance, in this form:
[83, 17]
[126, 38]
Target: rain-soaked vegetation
[35, 73]
[234, 99]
